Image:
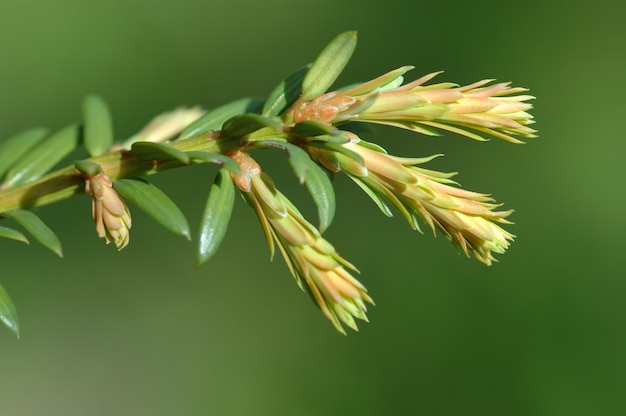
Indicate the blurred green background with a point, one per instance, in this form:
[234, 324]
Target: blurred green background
[143, 332]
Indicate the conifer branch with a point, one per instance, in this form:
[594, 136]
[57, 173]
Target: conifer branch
[313, 127]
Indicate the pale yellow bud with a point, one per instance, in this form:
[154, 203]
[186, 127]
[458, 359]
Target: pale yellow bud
[491, 110]
[468, 218]
[166, 126]
[311, 259]
[109, 212]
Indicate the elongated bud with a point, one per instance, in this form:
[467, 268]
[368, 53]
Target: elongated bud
[468, 219]
[312, 260]
[109, 212]
[493, 110]
[166, 126]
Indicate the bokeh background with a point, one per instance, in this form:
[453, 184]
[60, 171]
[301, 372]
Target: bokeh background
[144, 332]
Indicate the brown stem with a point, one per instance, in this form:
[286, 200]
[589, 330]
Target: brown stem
[68, 181]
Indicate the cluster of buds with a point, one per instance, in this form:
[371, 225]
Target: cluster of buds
[467, 218]
[312, 260]
[109, 212]
[471, 220]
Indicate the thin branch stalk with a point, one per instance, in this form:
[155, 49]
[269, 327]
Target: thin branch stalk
[66, 182]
